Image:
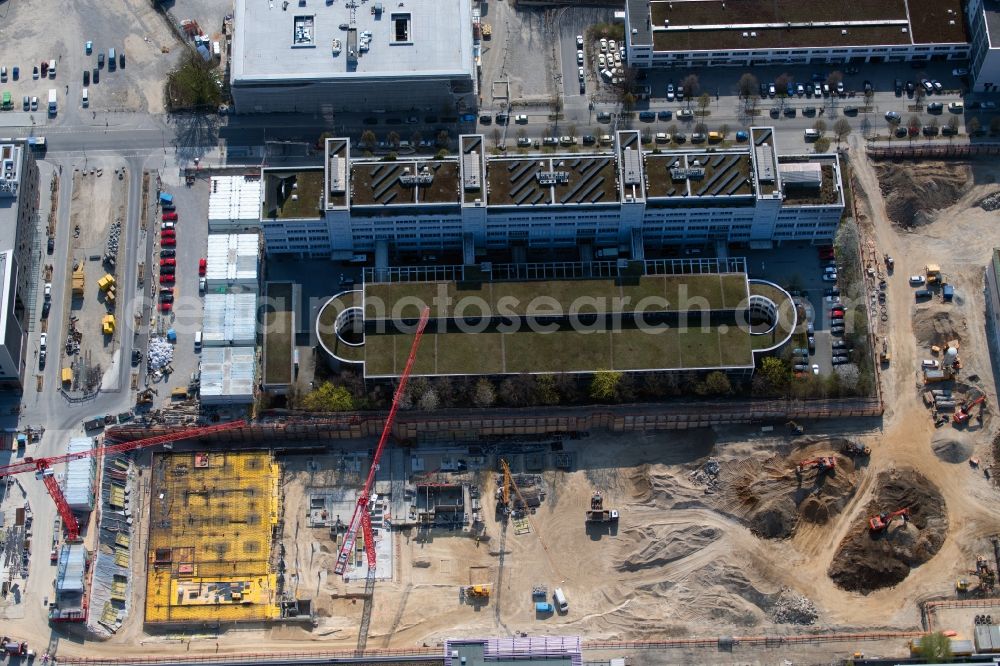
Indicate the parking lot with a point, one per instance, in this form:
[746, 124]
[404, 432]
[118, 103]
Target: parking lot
[185, 315]
[39, 31]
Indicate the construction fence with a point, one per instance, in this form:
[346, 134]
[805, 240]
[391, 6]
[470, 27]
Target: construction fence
[933, 151]
[441, 425]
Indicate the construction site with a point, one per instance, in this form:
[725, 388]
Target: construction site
[773, 528]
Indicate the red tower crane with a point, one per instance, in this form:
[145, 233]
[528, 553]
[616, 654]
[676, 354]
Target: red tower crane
[362, 517]
[43, 466]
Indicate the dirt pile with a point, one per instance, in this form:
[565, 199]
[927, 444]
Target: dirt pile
[951, 447]
[772, 497]
[937, 324]
[913, 192]
[867, 561]
[654, 546]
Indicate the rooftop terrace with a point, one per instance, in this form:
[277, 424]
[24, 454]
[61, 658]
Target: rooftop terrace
[404, 182]
[292, 194]
[542, 180]
[698, 175]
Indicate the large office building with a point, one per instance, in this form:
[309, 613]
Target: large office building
[344, 56]
[18, 221]
[703, 33]
[984, 61]
[621, 201]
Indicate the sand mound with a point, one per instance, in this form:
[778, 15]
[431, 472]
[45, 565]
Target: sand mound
[865, 561]
[772, 498]
[657, 545]
[949, 449]
[936, 325]
[913, 191]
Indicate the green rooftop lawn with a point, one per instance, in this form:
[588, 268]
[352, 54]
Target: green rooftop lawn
[310, 188]
[278, 325]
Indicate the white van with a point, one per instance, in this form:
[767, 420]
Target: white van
[560, 600]
[53, 101]
[52, 69]
[86, 97]
[197, 340]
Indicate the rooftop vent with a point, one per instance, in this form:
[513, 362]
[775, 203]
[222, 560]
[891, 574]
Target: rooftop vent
[843, 32]
[552, 177]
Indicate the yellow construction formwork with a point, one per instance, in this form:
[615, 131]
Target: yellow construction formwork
[210, 537]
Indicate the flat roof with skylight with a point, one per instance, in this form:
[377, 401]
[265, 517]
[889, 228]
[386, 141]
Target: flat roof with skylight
[275, 40]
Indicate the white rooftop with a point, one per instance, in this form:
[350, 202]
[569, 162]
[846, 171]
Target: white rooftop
[279, 41]
[229, 319]
[227, 374]
[234, 198]
[232, 259]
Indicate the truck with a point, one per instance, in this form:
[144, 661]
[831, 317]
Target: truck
[543, 607]
[602, 516]
[53, 101]
[597, 513]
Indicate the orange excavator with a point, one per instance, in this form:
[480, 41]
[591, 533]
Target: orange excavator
[963, 413]
[822, 464]
[882, 520]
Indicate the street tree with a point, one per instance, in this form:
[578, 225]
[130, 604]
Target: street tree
[416, 138]
[841, 129]
[484, 395]
[821, 145]
[368, 140]
[749, 86]
[935, 648]
[973, 126]
[604, 385]
[834, 77]
[443, 139]
[628, 101]
[724, 130]
[781, 83]
[690, 86]
[820, 125]
[913, 124]
[393, 139]
[704, 101]
[701, 128]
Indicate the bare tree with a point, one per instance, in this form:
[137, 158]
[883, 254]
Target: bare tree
[841, 128]
[416, 138]
[833, 78]
[690, 86]
[443, 139]
[393, 139]
[700, 128]
[953, 125]
[781, 83]
[914, 126]
[496, 137]
[820, 125]
[368, 140]
[724, 130]
[749, 86]
[704, 102]
[973, 126]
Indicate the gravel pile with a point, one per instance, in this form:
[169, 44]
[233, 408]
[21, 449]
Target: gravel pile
[792, 608]
[161, 353]
[991, 202]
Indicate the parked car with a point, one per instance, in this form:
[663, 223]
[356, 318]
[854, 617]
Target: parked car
[166, 278]
[665, 114]
[892, 117]
[166, 261]
[170, 216]
[168, 241]
[42, 339]
[917, 279]
[931, 130]
[829, 277]
[167, 252]
[647, 116]
[167, 225]
[930, 364]
[202, 266]
[921, 294]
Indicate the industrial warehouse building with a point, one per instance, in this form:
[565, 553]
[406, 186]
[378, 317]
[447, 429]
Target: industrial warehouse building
[711, 33]
[342, 56]
[627, 200]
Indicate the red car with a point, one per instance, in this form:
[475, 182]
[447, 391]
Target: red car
[168, 262]
[166, 278]
[202, 266]
[170, 217]
[168, 241]
[837, 312]
[165, 307]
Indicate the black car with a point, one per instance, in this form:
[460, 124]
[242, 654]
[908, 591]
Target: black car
[51, 245]
[46, 306]
[168, 252]
[121, 59]
[910, 87]
[589, 139]
[136, 357]
[898, 87]
[86, 77]
[370, 121]
[503, 119]
[868, 87]
[96, 75]
[664, 115]
[166, 298]
[790, 111]
[485, 119]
